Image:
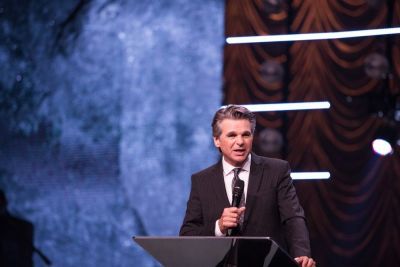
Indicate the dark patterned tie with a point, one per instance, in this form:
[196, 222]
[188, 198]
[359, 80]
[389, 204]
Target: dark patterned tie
[235, 176]
[236, 172]
[234, 181]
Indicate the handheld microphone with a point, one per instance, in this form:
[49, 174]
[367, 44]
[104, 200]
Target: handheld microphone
[236, 197]
[237, 193]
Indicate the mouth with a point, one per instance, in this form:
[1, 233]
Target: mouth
[240, 151]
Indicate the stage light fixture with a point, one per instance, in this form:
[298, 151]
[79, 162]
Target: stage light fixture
[311, 36]
[287, 106]
[270, 143]
[386, 138]
[396, 115]
[273, 6]
[382, 147]
[376, 66]
[272, 71]
[310, 175]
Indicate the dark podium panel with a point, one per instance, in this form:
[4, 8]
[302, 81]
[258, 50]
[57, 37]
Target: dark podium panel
[216, 251]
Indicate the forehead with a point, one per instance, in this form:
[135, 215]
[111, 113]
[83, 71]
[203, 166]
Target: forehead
[232, 125]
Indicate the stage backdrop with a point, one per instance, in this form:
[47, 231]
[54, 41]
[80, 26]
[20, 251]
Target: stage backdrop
[105, 110]
[354, 216]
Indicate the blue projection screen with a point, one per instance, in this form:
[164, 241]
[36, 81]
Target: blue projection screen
[105, 112]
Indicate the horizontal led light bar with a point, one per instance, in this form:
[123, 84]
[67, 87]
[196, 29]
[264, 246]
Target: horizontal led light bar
[287, 106]
[310, 36]
[310, 175]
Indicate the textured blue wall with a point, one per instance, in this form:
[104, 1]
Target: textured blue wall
[105, 113]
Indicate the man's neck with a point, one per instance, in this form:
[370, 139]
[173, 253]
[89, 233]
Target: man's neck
[236, 165]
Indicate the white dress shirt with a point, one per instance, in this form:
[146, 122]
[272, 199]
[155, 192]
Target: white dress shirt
[228, 178]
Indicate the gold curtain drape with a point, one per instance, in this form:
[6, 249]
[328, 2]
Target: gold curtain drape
[354, 218]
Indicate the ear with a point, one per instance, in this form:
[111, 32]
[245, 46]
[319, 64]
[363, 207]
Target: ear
[217, 142]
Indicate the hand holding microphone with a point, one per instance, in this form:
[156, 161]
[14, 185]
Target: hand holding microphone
[230, 216]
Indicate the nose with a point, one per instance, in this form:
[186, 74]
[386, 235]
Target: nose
[239, 140]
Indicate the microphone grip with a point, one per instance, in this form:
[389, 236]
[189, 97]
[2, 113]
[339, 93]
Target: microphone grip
[236, 197]
[237, 193]
[235, 200]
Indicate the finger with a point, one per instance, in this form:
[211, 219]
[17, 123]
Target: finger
[311, 263]
[302, 261]
[306, 262]
[230, 220]
[231, 215]
[229, 224]
[231, 209]
[241, 211]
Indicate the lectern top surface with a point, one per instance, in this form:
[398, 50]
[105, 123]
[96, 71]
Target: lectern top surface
[173, 251]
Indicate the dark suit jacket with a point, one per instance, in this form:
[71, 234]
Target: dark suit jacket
[272, 207]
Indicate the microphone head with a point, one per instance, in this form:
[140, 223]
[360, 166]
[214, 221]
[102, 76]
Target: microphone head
[237, 193]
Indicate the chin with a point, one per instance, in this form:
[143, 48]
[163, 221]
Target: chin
[240, 160]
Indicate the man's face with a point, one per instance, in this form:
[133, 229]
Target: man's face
[235, 141]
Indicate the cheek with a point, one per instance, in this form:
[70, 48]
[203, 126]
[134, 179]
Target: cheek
[226, 144]
[249, 142]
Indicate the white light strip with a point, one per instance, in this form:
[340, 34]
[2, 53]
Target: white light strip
[287, 106]
[310, 175]
[310, 36]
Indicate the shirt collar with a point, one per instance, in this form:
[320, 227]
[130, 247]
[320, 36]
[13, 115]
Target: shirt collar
[228, 167]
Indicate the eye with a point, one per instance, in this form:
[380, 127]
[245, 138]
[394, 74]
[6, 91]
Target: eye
[247, 134]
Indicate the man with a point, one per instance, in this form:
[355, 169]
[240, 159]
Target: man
[269, 206]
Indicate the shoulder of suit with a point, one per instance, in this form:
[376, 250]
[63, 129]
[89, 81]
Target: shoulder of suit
[208, 171]
[269, 161]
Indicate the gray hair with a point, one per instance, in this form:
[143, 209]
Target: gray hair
[234, 112]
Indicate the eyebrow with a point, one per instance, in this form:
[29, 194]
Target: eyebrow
[234, 132]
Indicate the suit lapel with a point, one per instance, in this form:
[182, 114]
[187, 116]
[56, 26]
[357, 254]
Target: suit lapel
[255, 178]
[219, 187]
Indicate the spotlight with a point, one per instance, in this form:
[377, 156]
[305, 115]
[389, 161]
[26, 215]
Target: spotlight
[273, 6]
[385, 140]
[376, 66]
[396, 116]
[382, 147]
[272, 71]
[270, 143]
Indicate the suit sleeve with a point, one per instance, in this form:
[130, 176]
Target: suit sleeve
[194, 223]
[292, 217]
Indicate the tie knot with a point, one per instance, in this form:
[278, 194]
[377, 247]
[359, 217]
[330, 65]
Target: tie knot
[236, 171]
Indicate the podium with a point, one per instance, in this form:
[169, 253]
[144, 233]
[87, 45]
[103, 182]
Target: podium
[216, 251]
